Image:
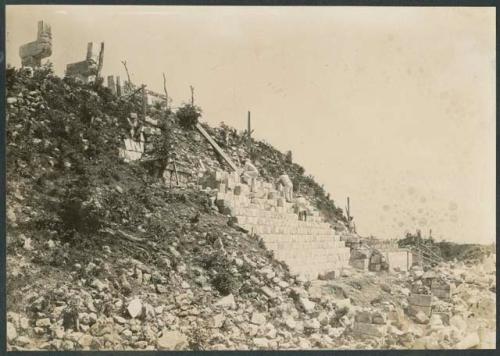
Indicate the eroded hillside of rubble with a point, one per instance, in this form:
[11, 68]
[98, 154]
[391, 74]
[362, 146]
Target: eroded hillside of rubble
[102, 255]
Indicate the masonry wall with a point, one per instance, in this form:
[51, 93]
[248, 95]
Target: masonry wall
[131, 150]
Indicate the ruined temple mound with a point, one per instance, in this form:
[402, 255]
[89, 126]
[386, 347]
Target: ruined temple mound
[104, 254]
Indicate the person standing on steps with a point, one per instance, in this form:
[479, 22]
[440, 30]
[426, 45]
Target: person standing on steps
[287, 185]
[301, 207]
[249, 173]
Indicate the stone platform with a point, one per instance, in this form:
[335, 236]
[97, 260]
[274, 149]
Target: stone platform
[309, 248]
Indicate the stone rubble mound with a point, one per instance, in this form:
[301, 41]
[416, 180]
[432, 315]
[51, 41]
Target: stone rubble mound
[101, 256]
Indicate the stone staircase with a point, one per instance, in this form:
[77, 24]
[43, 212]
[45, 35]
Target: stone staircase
[309, 248]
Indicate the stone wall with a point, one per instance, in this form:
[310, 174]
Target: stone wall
[132, 150]
[134, 146]
[309, 248]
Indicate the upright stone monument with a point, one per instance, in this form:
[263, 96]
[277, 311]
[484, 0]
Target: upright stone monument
[87, 70]
[118, 86]
[32, 53]
[111, 84]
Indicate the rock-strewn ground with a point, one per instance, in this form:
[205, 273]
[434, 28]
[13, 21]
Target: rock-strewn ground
[101, 256]
[122, 303]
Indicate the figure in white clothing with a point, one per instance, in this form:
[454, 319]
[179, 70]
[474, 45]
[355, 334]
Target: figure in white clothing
[285, 181]
[249, 173]
[301, 207]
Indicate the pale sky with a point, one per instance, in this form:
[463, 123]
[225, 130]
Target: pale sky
[394, 107]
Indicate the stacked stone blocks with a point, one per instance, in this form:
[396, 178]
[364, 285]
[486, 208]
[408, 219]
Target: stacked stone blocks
[32, 53]
[309, 248]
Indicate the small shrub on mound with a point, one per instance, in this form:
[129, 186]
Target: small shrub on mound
[188, 116]
[80, 216]
[224, 282]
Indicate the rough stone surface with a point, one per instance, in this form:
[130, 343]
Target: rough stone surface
[227, 302]
[11, 332]
[421, 318]
[258, 318]
[172, 340]
[307, 305]
[135, 308]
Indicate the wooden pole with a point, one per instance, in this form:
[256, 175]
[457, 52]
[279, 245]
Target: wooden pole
[249, 132]
[144, 102]
[216, 147]
[348, 210]
[176, 175]
[192, 95]
[129, 83]
[165, 88]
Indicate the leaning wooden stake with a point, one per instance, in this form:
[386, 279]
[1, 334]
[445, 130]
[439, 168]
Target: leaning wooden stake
[129, 82]
[216, 147]
[176, 175]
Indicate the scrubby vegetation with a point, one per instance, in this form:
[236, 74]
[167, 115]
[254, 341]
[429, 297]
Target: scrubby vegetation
[188, 116]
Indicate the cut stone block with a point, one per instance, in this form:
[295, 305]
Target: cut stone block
[420, 299]
[444, 294]
[442, 289]
[370, 330]
[414, 309]
[445, 317]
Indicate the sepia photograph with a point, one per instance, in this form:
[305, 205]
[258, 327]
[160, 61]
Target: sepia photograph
[250, 178]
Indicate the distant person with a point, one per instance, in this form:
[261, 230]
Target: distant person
[287, 185]
[301, 207]
[249, 173]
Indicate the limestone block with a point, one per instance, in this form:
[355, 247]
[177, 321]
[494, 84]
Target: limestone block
[420, 299]
[370, 330]
[221, 196]
[414, 309]
[442, 289]
[280, 202]
[220, 176]
[444, 294]
[445, 317]
[231, 184]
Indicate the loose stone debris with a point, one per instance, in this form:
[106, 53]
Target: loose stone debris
[110, 246]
